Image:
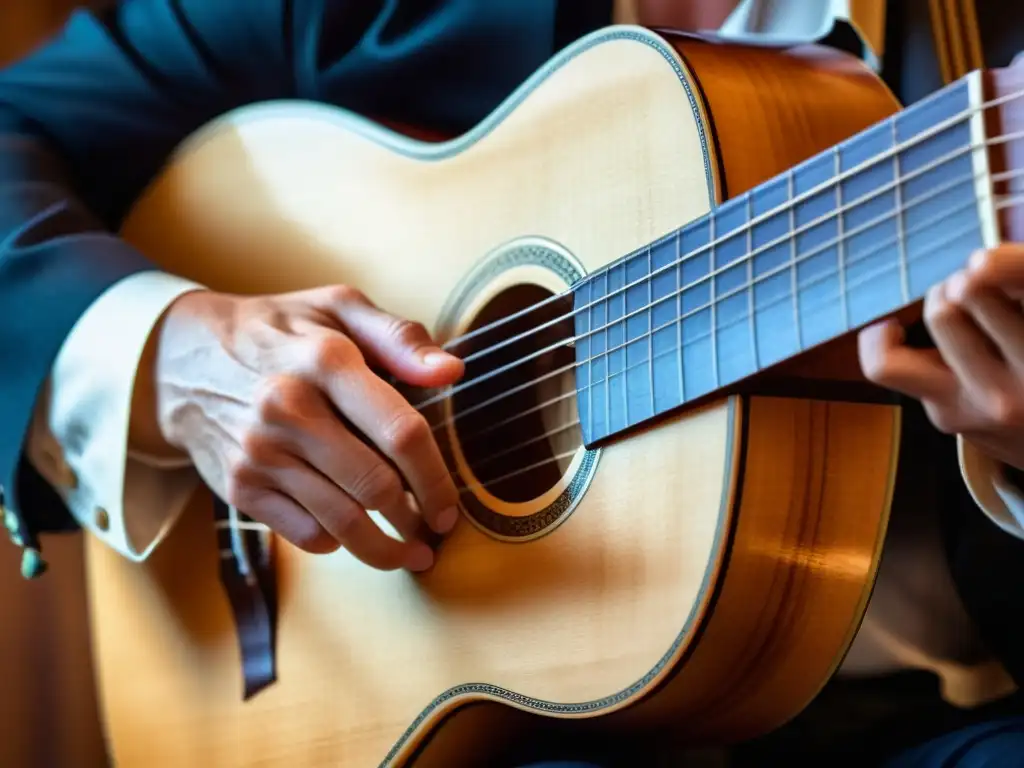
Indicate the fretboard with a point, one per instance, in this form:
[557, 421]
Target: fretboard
[845, 238]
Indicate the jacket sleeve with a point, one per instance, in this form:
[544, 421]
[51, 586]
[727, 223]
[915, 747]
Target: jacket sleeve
[88, 120]
[85, 122]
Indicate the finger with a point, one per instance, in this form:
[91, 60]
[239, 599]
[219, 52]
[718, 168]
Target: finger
[323, 442]
[998, 316]
[1000, 268]
[290, 521]
[248, 486]
[963, 346]
[349, 523]
[918, 373]
[401, 347]
[401, 434]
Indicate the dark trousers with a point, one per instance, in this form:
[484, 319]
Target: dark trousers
[992, 744]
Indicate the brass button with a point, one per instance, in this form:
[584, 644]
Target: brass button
[102, 519]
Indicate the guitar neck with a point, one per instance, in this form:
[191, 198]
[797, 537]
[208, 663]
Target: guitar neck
[848, 237]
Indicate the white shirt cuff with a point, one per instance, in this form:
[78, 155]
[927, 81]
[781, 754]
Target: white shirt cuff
[998, 498]
[79, 436]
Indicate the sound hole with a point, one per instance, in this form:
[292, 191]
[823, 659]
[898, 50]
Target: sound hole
[519, 427]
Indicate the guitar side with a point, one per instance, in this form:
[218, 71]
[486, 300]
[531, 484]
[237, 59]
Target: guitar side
[714, 570]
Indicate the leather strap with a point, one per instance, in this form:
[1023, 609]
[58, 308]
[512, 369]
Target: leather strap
[247, 575]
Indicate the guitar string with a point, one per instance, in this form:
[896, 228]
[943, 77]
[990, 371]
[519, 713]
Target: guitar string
[788, 266]
[874, 161]
[739, 319]
[791, 264]
[256, 526]
[450, 392]
[866, 165]
[568, 454]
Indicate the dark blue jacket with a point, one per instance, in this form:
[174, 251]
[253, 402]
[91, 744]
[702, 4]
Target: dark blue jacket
[87, 121]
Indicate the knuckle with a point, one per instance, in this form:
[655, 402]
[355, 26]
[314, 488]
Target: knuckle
[334, 352]
[345, 294]
[1004, 410]
[971, 287]
[943, 419]
[937, 308]
[308, 535]
[443, 493]
[407, 332]
[982, 262]
[875, 366]
[377, 487]
[406, 432]
[874, 369]
[281, 398]
[258, 447]
[344, 521]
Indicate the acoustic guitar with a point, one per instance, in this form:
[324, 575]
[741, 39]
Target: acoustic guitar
[675, 486]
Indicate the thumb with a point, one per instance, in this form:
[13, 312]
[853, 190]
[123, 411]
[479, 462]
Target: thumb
[401, 347]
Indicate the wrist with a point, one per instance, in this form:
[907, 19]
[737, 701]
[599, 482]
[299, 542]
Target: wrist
[151, 430]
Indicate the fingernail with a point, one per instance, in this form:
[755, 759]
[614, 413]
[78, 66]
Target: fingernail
[977, 260]
[421, 558]
[447, 519]
[436, 356]
[956, 286]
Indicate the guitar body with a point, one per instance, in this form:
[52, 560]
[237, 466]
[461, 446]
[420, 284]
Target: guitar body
[705, 576]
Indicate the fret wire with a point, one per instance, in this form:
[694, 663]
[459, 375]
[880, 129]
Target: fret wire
[881, 271]
[818, 279]
[679, 314]
[591, 357]
[922, 226]
[900, 239]
[794, 287]
[933, 192]
[825, 276]
[750, 281]
[712, 266]
[607, 362]
[885, 269]
[823, 248]
[938, 162]
[650, 326]
[840, 246]
[625, 348]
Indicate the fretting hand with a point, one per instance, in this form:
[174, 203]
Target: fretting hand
[258, 392]
[973, 382]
